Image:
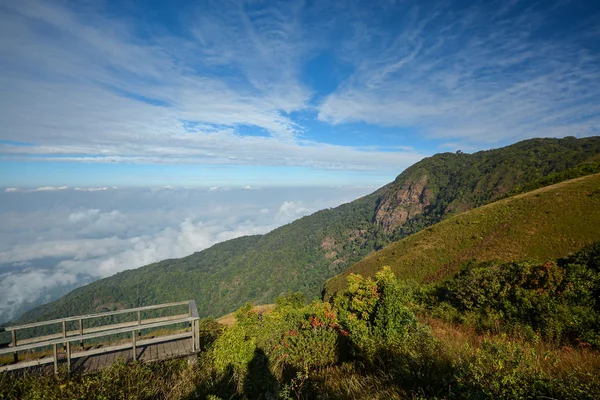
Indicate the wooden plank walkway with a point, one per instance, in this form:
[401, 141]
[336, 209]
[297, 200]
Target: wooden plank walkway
[153, 352]
[179, 348]
[184, 343]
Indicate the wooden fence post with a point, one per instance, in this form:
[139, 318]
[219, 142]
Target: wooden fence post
[14, 344]
[69, 356]
[133, 342]
[139, 315]
[191, 322]
[197, 335]
[64, 332]
[55, 350]
[81, 332]
[193, 331]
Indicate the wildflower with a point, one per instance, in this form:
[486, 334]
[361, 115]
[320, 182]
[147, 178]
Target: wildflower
[315, 322]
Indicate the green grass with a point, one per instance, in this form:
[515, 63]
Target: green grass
[541, 225]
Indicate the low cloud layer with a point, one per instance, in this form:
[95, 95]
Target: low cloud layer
[55, 240]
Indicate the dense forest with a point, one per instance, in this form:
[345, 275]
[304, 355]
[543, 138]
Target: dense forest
[302, 255]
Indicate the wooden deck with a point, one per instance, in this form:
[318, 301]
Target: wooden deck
[179, 348]
[183, 343]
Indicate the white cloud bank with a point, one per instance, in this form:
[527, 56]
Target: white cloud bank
[71, 237]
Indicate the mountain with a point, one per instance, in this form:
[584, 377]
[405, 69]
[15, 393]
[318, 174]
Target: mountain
[540, 225]
[302, 255]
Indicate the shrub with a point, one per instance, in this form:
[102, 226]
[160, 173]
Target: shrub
[557, 300]
[294, 300]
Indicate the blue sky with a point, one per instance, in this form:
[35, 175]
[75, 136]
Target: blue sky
[208, 93]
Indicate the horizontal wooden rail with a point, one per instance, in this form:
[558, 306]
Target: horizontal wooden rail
[66, 337]
[101, 328]
[96, 315]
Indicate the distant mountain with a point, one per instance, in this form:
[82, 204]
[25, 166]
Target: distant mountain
[540, 225]
[302, 255]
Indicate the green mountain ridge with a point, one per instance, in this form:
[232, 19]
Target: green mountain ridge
[302, 255]
[540, 225]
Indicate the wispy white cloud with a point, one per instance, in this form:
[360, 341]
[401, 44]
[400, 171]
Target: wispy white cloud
[85, 87]
[93, 91]
[49, 188]
[92, 189]
[40, 189]
[479, 75]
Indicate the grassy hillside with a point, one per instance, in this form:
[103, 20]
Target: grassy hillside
[540, 225]
[302, 255]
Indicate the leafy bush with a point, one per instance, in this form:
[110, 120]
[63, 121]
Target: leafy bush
[556, 300]
[294, 300]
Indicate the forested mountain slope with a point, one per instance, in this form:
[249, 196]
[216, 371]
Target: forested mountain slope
[541, 225]
[302, 255]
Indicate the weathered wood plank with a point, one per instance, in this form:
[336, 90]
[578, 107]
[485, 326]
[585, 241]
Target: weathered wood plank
[167, 350]
[155, 352]
[26, 364]
[92, 364]
[161, 351]
[110, 357]
[180, 349]
[102, 361]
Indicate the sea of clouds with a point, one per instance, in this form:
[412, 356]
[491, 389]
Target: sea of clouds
[54, 239]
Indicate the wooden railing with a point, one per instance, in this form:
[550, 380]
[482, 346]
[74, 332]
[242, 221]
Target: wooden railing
[81, 334]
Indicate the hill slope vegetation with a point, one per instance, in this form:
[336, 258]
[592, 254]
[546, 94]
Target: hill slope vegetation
[540, 225]
[506, 331]
[302, 255]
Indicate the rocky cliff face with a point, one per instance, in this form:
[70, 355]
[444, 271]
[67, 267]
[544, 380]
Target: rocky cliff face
[398, 206]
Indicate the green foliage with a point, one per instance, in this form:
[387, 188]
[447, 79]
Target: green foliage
[366, 344]
[375, 313]
[298, 341]
[540, 225]
[235, 349]
[120, 381]
[302, 255]
[497, 370]
[586, 168]
[294, 300]
[555, 300]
